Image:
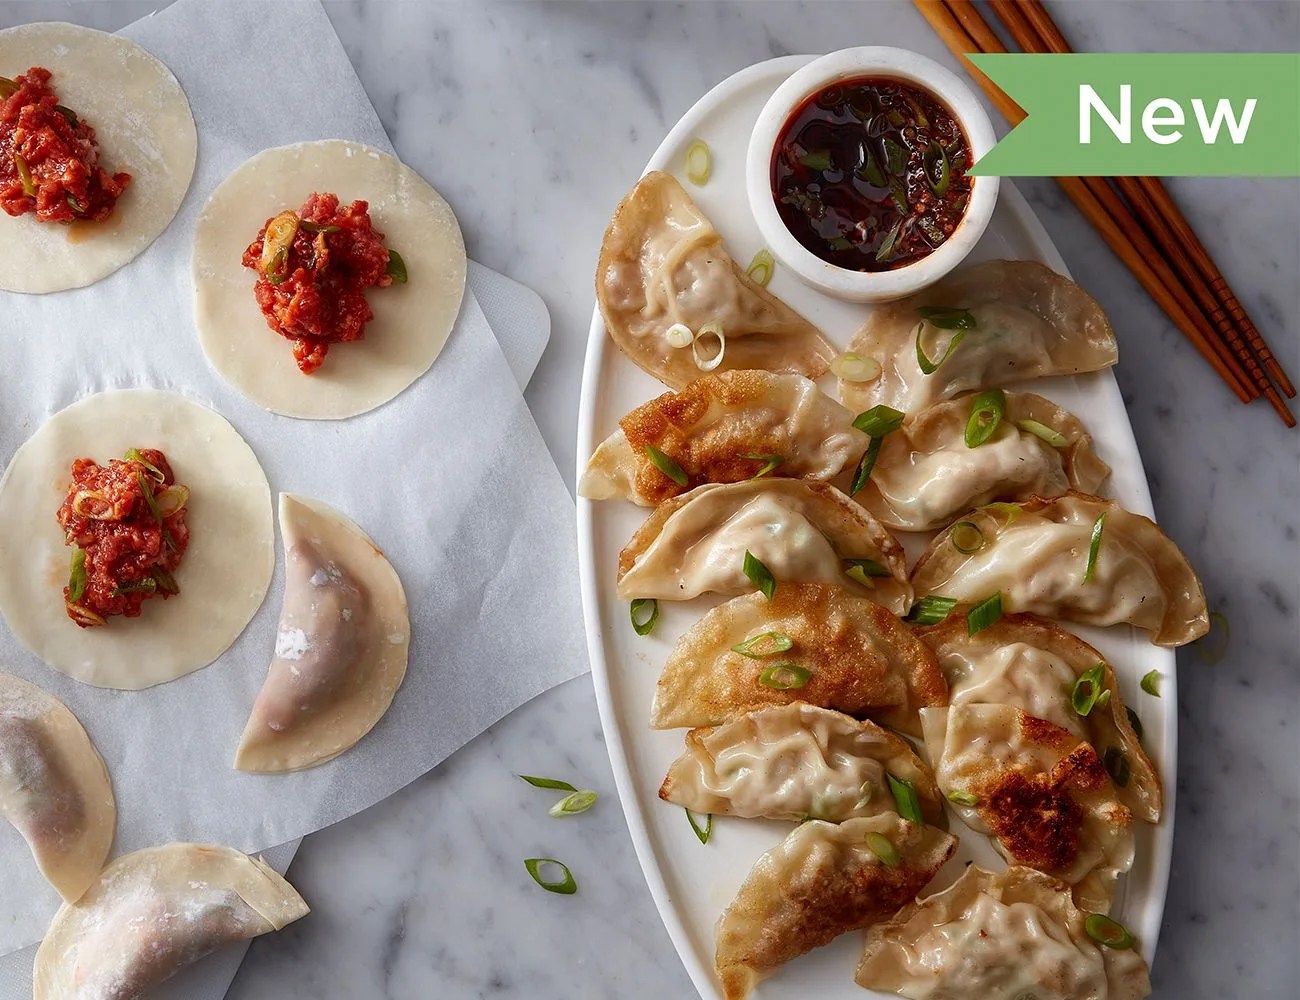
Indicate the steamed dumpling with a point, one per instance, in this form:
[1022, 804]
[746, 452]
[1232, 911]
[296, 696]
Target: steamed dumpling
[1016, 934]
[823, 880]
[795, 762]
[1030, 322]
[340, 649]
[54, 787]
[925, 476]
[1036, 555]
[154, 912]
[710, 426]
[803, 532]
[861, 660]
[1038, 789]
[1033, 665]
[662, 262]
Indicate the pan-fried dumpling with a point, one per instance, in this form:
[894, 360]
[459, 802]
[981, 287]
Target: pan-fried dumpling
[1029, 322]
[1033, 665]
[1038, 789]
[794, 762]
[341, 647]
[712, 425]
[823, 880]
[54, 787]
[1037, 555]
[925, 476]
[154, 912]
[1016, 934]
[662, 262]
[802, 532]
[861, 661]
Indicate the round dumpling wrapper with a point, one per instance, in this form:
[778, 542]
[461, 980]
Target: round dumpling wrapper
[143, 125]
[223, 576]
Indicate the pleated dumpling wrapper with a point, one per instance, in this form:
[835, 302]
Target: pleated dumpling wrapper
[154, 912]
[926, 473]
[801, 532]
[861, 660]
[341, 647]
[1036, 666]
[1043, 793]
[1013, 934]
[1076, 557]
[796, 762]
[663, 263]
[823, 880]
[1016, 320]
[54, 787]
[724, 428]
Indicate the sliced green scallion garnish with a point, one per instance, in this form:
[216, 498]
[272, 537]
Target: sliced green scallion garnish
[316, 227]
[77, 576]
[763, 645]
[770, 462]
[666, 465]
[702, 832]
[1111, 933]
[699, 162]
[146, 586]
[68, 114]
[1151, 682]
[761, 268]
[967, 538]
[947, 317]
[1103, 699]
[1053, 437]
[565, 886]
[905, 799]
[927, 366]
[133, 455]
[784, 676]
[853, 367]
[879, 420]
[1087, 689]
[1134, 721]
[573, 803]
[644, 612]
[1212, 653]
[984, 614]
[555, 783]
[938, 171]
[396, 268]
[817, 159]
[886, 248]
[862, 474]
[25, 175]
[147, 492]
[960, 798]
[759, 575]
[931, 610]
[1001, 508]
[883, 849]
[166, 582]
[862, 570]
[985, 416]
[714, 330]
[1116, 763]
[1094, 547]
[679, 335]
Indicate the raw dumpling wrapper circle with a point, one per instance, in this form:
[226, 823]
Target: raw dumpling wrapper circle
[143, 126]
[412, 321]
[222, 578]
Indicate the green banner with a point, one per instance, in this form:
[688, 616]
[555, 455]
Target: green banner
[1158, 114]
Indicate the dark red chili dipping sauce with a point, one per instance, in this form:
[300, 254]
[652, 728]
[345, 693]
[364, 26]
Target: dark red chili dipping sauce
[125, 522]
[313, 270]
[49, 159]
[869, 174]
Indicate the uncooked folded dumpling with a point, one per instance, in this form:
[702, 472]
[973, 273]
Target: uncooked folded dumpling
[861, 660]
[797, 762]
[662, 263]
[54, 787]
[925, 475]
[341, 646]
[725, 428]
[154, 912]
[1043, 793]
[1016, 934]
[1018, 320]
[802, 532]
[823, 880]
[1060, 559]
[1034, 665]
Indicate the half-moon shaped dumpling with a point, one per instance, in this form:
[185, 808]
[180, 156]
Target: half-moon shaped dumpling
[797, 762]
[1022, 319]
[1033, 665]
[1038, 789]
[861, 660]
[802, 532]
[662, 262]
[341, 647]
[725, 429]
[154, 912]
[54, 787]
[823, 880]
[1013, 934]
[925, 476]
[1040, 555]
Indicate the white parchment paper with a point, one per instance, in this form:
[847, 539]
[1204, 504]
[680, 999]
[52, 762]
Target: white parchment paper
[452, 479]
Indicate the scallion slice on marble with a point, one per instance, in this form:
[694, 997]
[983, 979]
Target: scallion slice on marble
[574, 803]
[555, 783]
[565, 886]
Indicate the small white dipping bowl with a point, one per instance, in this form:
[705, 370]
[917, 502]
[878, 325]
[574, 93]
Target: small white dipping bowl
[868, 61]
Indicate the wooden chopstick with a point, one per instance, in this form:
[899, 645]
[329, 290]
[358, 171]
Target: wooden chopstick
[1033, 29]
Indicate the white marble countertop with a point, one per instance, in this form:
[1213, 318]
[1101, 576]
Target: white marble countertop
[533, 119]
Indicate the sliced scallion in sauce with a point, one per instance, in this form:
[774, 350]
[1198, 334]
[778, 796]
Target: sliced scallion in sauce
[1053, 437]
[556, 783]
[1094, 547]
[761, 268]
[905, 798]
[565, 886]
[1151, 682]
[77, 576]
[931, 610]
[1111, 933]
[770, 462]
[764, 644]
[702, 832]
[984, 614]
[862, 570]
[985, 416]
[1116, 763]
[958, 797]
[573, 804]
[784, 676]
[967, 538]
[396, 267]
[644, 612]
[759, 575]
[883, 849]
[1087, 689]
[853, 367]
[666, 465]
[699, 162]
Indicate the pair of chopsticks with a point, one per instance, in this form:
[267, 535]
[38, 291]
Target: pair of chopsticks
[1134, 215]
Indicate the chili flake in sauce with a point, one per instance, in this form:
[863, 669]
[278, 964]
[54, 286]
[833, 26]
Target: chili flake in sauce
[313, 268]
[49, 159]
[869, 174]
[126, 525]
